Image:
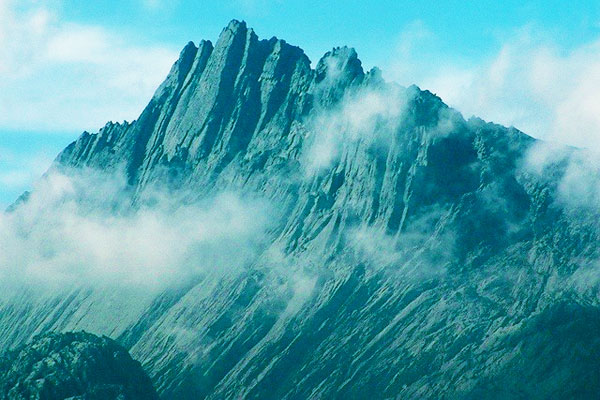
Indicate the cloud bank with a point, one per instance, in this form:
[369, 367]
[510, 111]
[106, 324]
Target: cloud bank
[531, 83]
[366, 114]
[80, 229]
[63, 76]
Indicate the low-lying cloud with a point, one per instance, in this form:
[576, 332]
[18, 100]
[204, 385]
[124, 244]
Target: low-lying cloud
[530, 82]
[359, 116]
[574, 172]
[413, 255]
[367, 114]
[80, 228]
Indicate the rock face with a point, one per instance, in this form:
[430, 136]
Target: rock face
[75, 366]
[421, 257]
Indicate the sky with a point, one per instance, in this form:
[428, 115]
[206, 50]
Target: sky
[67, 66]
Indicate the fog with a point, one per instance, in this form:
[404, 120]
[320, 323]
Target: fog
[81, 227]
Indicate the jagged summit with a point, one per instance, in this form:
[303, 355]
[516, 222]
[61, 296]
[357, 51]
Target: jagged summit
[236, 25]
[342, 59]
[265, 85]
[410, 253]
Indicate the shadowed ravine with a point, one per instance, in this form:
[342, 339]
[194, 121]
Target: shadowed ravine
[405, 253]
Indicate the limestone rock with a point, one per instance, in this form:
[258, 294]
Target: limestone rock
[75, 366]
[439, 266]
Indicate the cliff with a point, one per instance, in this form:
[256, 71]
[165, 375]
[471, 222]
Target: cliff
[411, 253]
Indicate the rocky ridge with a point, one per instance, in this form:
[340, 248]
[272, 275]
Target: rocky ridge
[74, 365]
[432, 262]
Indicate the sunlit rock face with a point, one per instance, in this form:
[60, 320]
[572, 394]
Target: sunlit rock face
[405, 253]
[75, 366]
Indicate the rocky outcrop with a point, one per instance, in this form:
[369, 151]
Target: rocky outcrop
[416, 256]
[74, 366]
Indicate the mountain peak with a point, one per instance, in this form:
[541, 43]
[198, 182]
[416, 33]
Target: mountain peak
[340, 61]
[234, 28]
[190, 47]
[414, 223]
[236, 24]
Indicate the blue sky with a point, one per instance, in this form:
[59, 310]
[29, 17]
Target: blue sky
[71, 65]
[466, 28]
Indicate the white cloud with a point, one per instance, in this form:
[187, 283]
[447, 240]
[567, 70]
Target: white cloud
[576, 173]
[362, 115]
[14, 178]
[78, 228]
[62, 76]
[530, 83]
[19, 169]
[370, 115]
[18, 173]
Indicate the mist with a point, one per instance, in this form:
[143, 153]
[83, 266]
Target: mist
[80, 227]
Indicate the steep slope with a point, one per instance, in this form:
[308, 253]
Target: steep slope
[73, 365]
[412, 254]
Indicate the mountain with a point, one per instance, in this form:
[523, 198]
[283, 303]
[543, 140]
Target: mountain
[407, 252]
[73, 365]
